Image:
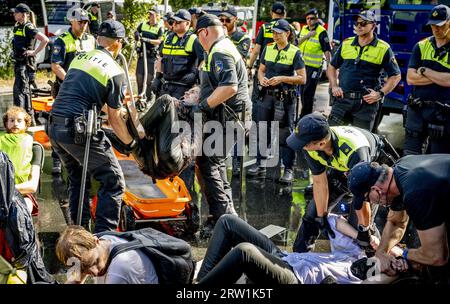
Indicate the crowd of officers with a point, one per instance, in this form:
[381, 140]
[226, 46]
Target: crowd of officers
[191, 47]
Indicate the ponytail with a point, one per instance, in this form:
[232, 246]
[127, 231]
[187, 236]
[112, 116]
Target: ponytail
[32, 18]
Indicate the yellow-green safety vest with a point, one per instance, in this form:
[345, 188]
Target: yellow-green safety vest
[153, 29]
[75, 46]
[349, 140]
[311, 49]
[224, 46]
[372, 54]
[19, 148]
[170, 49]
[98, 65]
[285, 57]
[428, 53]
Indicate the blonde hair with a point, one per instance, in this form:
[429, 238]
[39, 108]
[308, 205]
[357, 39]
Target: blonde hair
[74, 242]
[14, 110]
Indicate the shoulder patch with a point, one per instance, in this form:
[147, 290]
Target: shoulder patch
[56, 49]
[218, 66]
[245, 45]
[345, 148]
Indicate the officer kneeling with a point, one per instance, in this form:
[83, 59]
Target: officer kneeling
[93, 80]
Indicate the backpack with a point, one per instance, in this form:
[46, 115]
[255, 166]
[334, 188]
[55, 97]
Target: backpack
[171, 257]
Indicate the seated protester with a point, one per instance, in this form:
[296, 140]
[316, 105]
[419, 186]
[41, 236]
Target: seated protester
[237, 248]
[18, 244]
[163, 153]
[18, 145]
[130, 267]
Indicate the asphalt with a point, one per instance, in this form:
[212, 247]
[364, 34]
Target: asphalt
[262, 203]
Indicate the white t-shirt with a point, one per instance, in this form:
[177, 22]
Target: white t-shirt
[313, 267]
[129, 267]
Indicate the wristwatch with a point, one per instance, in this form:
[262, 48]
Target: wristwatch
[422, 70]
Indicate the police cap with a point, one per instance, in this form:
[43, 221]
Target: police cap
[310, 128]
[207, 20]
[279, 8]
[21, 8]
[281, 26]
[229, 11]
[182, 15]
[439, 15]
[312, 11]
[367, 15]
[360, 179]
[77, 14]
[112, 29]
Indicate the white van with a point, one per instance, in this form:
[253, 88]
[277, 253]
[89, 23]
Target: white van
[7, 24]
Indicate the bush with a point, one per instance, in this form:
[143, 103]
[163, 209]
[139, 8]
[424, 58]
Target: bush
[6, 62]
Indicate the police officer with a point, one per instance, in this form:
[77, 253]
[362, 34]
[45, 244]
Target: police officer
[25, 34]
[360, 60]
[314, 44]
[223, 93]
[65, 48]
[111, 15]
[339, 149]
[150, 33]
[94, 18]
[168, 24]
[93, 80]
[242, 41]
[180, 54]
[429, 72]
[196, 13]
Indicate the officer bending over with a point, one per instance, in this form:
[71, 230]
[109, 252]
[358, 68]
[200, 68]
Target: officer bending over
[429, 72]
[416, 187]
[94, 79]
[339, 149]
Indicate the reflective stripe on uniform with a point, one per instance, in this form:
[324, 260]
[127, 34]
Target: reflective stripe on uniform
[98, 65]
[372, 54]
[349, 140]
[153, 29]
[178, 50]
[224, 46]
[427, 52]
[284, 56]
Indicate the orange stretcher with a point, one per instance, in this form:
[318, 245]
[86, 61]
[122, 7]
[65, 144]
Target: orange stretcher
[166, 203]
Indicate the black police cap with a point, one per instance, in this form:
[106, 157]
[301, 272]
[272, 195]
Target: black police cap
[112, 29]
[312, 11]
[360, 179]
[279, 8]
[21, 8]
[230, 11]
[310, 128]
[207, 20]
[439, 15]
[182, 15]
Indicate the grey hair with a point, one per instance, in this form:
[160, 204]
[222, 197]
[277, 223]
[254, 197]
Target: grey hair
[384, 172]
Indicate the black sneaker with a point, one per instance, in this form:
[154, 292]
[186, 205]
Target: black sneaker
[256, 171]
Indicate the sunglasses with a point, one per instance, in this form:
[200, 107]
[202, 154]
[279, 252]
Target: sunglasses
[225, 20]
[362, 23]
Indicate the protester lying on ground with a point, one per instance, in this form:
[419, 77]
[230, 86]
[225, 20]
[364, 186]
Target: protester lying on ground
[144, 256]
[18, 145]
[18, 243]
[163, 152]
[237, 248]
[417, 187]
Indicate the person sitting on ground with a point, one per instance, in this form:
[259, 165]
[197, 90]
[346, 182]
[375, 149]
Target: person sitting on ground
[130, 267]
[236, 248]
[18, 242]
[18, 145]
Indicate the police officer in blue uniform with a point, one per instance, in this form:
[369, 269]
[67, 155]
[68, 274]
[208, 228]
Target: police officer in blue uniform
[179, 57]
[281, 69]
[94, 21]
[25, 34]
[196, 13]
[360, 60]
[94, 79]
[65, 48]
[331, 152]
[429, 72]
[223, 93]
[150, 33]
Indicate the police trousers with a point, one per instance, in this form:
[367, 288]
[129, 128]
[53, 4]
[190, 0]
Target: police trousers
[266, 112]
[356, 112]
[308, 90]
[103, 166]
[418, 121]
[21, 89]
[150, 75]
[237, 248]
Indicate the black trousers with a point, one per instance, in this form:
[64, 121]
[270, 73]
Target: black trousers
[308, 90]
[416, 130]
[356, 112]
[103, 166]
[21, 89]
[237, 248]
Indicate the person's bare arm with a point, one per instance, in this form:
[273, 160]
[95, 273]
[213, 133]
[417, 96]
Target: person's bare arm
[221, 94]
[439, 78]
[433, 248]
[414, 78]
[327, 56]
[43, 42]
[332, 77]
[58, 71]
[118, 125]
[320, 192]
[262, 75]
[158, 65]
[31, 185]
[300, 78]
[255, 52]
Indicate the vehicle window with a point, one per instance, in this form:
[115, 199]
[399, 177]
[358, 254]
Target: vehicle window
[8, 18]
[57, 11]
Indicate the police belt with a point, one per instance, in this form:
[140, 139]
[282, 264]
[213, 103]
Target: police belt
[418, 103]
[354, 94]
[60, 120]
[279, 92]
[176, 83]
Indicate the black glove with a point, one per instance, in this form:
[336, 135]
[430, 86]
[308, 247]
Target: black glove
[325, 227]
[363, 240]
[157, 83]
[202, 107]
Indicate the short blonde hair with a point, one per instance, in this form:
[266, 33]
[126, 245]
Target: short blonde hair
[16, 110]
[74, 242]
